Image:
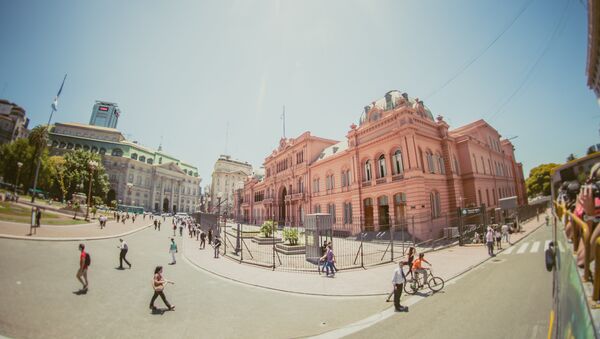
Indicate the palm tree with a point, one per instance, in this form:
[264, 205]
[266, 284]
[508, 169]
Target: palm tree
[38, 138]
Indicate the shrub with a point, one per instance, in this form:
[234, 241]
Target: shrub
[291, 235]
[267, 228]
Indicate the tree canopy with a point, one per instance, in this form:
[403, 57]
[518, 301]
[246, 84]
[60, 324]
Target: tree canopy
[538, 182]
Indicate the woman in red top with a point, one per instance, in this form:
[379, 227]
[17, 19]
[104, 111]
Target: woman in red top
[82, 272]
[158, 283]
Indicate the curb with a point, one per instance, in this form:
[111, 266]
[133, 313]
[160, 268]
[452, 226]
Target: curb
[188, 260]
[21, 237]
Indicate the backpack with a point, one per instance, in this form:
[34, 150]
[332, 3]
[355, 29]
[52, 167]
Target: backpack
[88, 259]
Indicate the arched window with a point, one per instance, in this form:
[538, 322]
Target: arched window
[77, 146]
[430, 163]
[142, 158]
[102, 150]
[63, 144]
[456, 167]
[134, 156]
[150, 161]
[381, 163]
[442, 165]
[398, 168]
[94, 149]
[436, 206]
[70, 146]
[368, 170]
[116, 152]
[54, 143]
[86, 148]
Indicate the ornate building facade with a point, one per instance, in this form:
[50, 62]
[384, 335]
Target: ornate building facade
[398, 164]
[227, 176]
[13, 122]
[138, 175]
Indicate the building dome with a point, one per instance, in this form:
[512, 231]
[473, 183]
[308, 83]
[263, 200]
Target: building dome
[391, 100]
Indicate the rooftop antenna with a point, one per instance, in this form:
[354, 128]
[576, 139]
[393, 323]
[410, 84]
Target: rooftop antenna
[283, 118]
[226, 136]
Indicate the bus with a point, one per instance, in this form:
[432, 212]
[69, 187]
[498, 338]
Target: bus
[130, 209]
[576, 288]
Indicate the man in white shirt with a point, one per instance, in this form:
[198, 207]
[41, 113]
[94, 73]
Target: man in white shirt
[124, 248]
[398, 280]
[489, 240]
[505, 233]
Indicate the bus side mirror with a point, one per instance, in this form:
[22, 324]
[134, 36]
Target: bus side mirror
[550, 257]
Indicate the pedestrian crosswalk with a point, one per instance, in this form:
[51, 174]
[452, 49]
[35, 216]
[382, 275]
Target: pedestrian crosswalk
[526, 247]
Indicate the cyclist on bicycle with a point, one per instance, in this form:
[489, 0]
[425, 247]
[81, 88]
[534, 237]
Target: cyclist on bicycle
[417, 267]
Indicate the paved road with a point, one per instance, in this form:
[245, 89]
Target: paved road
[507, 297]
[38, 299]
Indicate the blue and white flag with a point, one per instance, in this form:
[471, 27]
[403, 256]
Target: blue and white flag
[55, 102]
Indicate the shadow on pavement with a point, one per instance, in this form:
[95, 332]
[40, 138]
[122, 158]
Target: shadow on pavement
[80, 292]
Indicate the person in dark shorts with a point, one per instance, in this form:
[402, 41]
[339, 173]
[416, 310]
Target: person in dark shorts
[83, 267]
[158, 284]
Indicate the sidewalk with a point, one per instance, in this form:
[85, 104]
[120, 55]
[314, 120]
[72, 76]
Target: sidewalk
[447, 263]
[90, 231]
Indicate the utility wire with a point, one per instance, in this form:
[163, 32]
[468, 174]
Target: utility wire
[554, 35]
[469, 63]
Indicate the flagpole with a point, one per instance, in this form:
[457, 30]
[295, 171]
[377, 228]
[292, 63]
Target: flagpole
[39, 159]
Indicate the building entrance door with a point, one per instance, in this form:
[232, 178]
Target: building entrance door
[165, 207]
[282, 206]
[368, 210]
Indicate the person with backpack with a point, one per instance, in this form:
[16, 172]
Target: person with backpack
[217, 246]
[84, 263]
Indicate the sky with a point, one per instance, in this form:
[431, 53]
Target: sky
[212, 77]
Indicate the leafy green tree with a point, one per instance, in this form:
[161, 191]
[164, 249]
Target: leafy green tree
[12, 153]
[571, 157]
[538, 182]
[57, 169]
[591, 150]
[78, 173]
[38, 139]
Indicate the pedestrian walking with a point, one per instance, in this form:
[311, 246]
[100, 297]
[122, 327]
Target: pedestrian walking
[158, 284]
[37, 223]
[181, 229]
[84, 263]
[173, 250]
[155, 224]
[174, 229]
[118, 217]
[333, 261]
[217, 246]
[124, 248]
[489, 239]
[505, 233]
[498, 237]
[329, 258]
[322, 260]
[398, 281]
[159, 225]
[202, 239]
[210, 236]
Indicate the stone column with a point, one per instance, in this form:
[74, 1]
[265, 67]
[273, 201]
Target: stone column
[152, 192]
[171, 202]
[162, 195]
[179, 196]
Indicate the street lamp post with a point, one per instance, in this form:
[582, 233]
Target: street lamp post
[19, 165]
[91, 166]
[219, 196]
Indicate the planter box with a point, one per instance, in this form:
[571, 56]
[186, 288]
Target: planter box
[266, 241]
[289, 249]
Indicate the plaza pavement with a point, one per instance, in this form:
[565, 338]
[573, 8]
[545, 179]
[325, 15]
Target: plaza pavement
[376, 280]
[89, 231]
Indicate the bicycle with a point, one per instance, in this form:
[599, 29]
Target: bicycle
[434, 283]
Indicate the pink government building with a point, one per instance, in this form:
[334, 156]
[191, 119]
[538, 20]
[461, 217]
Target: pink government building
[399, 164]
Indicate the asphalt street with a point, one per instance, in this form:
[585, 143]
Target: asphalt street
[39, 297]
[509, 296]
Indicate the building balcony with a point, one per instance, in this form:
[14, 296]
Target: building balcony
[398, 177]
[366, 184]
[297, 196]
[381, 181]
[267, 201]
[288, 198]
[245, 204]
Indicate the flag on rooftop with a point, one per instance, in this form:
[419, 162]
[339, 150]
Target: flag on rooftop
[55, 102]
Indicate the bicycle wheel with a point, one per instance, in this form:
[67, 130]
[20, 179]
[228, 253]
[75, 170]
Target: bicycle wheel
[436, 284]
[411, 287]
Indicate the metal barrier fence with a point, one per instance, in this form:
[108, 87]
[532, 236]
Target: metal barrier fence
[285, 248]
